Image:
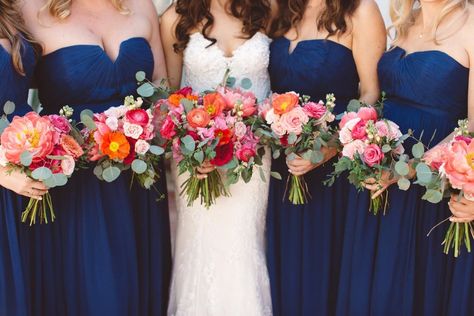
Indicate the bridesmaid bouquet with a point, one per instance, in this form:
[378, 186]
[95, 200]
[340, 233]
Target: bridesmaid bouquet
[297, 126]
[446, 168]
[370, 145]
[211, 127]
[121, 138]
[46, 148]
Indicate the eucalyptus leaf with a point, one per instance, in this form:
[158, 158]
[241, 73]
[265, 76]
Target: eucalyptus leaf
[292, 137]
[199, 156]
[316, 156]
[276, 154]
[433, 196]
[418, 150]
[246, 83]
[9, 107]
[246, 175]
[423, 173]
[231, 164]
[157, 150]
[189, 143]
[231, 82]
[146, 90]
[3, 124]
[276, 175]
[262, 174]
[41, 173]
[401, 167]
[354, 105]
[187, 104]
[386, 148]
[140, 76]
[110, 174]
[87, 113]
[56, 180]
[139, 166]
[89, 123]
[291, 157]
[26, 158]
[403, 184]
[98, 170]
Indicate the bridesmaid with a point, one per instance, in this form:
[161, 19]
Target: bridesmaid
[429, 87]
[17, 60]
[320, 47]
[108, 253]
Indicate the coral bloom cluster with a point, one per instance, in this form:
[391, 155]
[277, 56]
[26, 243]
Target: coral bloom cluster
[363, 135]
[122, 132]
[455, 162]
[35, 141]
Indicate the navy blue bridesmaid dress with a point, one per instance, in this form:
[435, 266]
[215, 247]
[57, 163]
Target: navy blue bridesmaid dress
[108, 252]
[304, 240]
[389, 265]
[14, 284]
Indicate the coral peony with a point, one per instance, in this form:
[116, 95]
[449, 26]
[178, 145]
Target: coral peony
[459, 166]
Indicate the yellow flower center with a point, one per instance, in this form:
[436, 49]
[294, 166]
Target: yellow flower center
[470, 160]
[284, 105]
[114, 146]
[32, 136]
[211, 109]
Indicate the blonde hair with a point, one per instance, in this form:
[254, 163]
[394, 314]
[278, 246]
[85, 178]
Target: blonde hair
[404, 12]
[61, 9]
[12, 28]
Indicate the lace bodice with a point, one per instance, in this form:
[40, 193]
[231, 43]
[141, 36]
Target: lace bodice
[205, 67]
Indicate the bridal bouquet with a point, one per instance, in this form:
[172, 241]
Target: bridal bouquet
[121, 138]
[370, 145]
[448, 168]
[46, 148]
[297, 126]
[211, 127]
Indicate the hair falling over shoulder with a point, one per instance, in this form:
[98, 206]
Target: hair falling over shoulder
[196, 14]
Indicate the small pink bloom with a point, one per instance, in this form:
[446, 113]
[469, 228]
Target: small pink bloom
[112, 123]
[315, 110]
[278, 128]
[142, 147]
[60, 123]
[346, 118]
[372, 155]
[367, 114]
[295, 120]
[359, 130]
[67, 165]
[168, 128]
[240, 129]
[350, 149]
[220, 122]
[132, 130]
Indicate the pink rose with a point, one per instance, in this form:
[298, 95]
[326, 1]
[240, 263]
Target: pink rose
[244, 153]
[278, 128]
[372, 155]
[240, 129]
[315, 110]
[359, 130]
[60, 123]
[459, 166]
[436, 156]
[67, 165]
[168, 128]
[141, 147]
[132, 130]
[367, 114]
[352, 148]
[112, 123]
[294, 120]
[345, 135]
[138, 117]
[346, 118]
[31, 133]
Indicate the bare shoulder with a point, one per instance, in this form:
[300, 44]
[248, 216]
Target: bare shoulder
[367, 9]
[170, 16]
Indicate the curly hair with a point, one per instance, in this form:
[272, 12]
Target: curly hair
[12, 28]
[332, 18]
[254, 14]
[61, 9]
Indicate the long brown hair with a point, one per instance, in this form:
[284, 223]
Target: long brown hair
[12, 28]
[332, 18]
[254, 14]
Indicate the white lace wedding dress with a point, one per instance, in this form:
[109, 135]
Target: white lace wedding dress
[219, 257]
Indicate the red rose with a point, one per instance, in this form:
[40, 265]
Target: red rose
[284, 141]
[167, 130]
[245, 153]
[185, 91]
[224, 154]
[372, 155]
[358, 131]
[138, 116]
[194, 135]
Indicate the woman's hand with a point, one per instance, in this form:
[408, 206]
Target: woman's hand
[300, 166]
[462, 209]
[378, 187]
[204, 169]
[21, 184]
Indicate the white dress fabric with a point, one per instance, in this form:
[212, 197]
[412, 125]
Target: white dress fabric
[219, 257]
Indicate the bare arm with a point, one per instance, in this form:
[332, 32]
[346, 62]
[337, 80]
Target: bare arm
[174, 61]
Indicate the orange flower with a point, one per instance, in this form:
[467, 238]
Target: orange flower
[214, 103]
[115, 145]
[224, 136]
[284, 103]
[198, 118]
[71, 147]
[175, 99]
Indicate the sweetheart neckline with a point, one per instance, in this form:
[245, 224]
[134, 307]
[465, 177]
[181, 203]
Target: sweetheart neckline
[422, 52]
[313, 40]
[97, 46]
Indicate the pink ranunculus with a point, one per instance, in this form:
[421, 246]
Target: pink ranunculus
[168, 129]
[346, 118]
[295, 120]
[372, 155]
[350, 149]
[60, 123]
[31, 133]
[132, 130]
[459, 166]
[367, 114]
[436, 157]
[142, 147]
[315, 110]
[138, 117]
[278, 128]
[240, 129]
[359, 130]
[67, 165]
[244, 153]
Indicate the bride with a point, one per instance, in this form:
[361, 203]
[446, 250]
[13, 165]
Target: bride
[219, 259]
